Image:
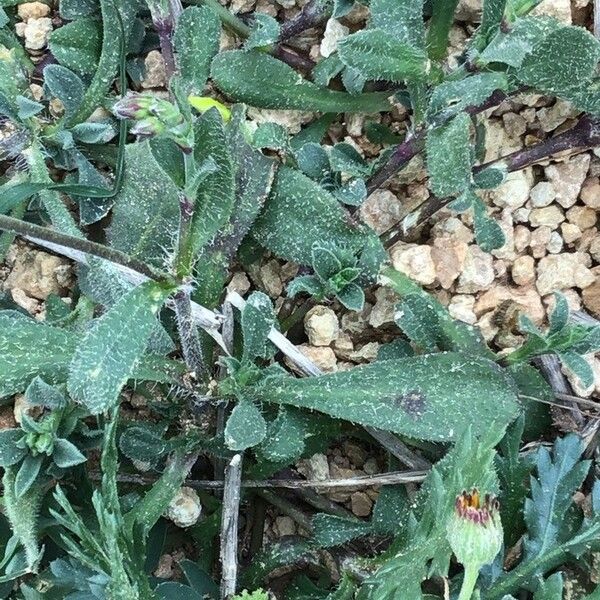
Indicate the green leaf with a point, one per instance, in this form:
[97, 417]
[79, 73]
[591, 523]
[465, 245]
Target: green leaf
[377, 54]
[344, 158]
[10, 453]
[261, 80]
[142, 443]
[442, 17]
[27, 474]
[511, 48]
[171, 590]
[488, 233]
[513, 471]
[489, 178]
[313, 161]
[352, 297]
[562, 60]
[196, 42]
[295, 204]
[66, 454]
[400, 18]
[331, 530]
[93, 133]
[39, 393]
[77, 45]
[29, 348]
[415, 317]
[253, 179]
[559, 476]
[432, 397]
[246, 427]
[66, 86]
[579, 366]
[551, 588]
[107, 354]
[146, 208]
[271, 135]
[560, 315]
[491, 18]
[285, 436]
[455, 335]
[390, 509]
[449, 157]
[215, 201]
[451, 97]
[199, 579]
[264, 32]
[353, 192]
[27, 108]
[74, 9]
[258, 318]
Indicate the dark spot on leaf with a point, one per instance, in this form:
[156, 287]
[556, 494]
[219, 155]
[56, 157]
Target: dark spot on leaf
[412, 403]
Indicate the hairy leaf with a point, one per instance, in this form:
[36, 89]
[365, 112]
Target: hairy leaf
[66, 86]
[77, 45]
[432, 397]
[451, 97]
[146, 210]
[196, 42]
[401, 18]
[377, 54]
[449, 157]
[299, 204]
[29, 349]
[331, 530]
[258, 318]
[107, 354]
[563, 60]
[245, 427]
[261, 80]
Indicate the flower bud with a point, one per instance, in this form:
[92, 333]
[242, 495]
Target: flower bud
[475, 531]
[149, 127]
[133, 106]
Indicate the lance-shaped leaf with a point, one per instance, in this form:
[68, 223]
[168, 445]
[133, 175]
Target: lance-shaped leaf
[376, 54]
[400, 18]
[261, 80]
[146, 209]
[29, 348]
[216, 197]
[432, 397]
[298, 204]
[107, 354]
[449, 156]
[258, 317]
[196, 42]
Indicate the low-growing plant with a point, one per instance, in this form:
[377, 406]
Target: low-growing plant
[157, 224]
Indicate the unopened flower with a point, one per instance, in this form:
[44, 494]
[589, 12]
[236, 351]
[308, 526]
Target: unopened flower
[475, 534]
[154, 116]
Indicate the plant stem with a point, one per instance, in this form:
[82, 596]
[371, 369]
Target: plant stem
[583, 136]
[313, 13]
[30, 230]
[469, 581]
[229, 526]
[165, 24]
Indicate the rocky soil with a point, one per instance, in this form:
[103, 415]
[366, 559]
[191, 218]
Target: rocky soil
[548, 212]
